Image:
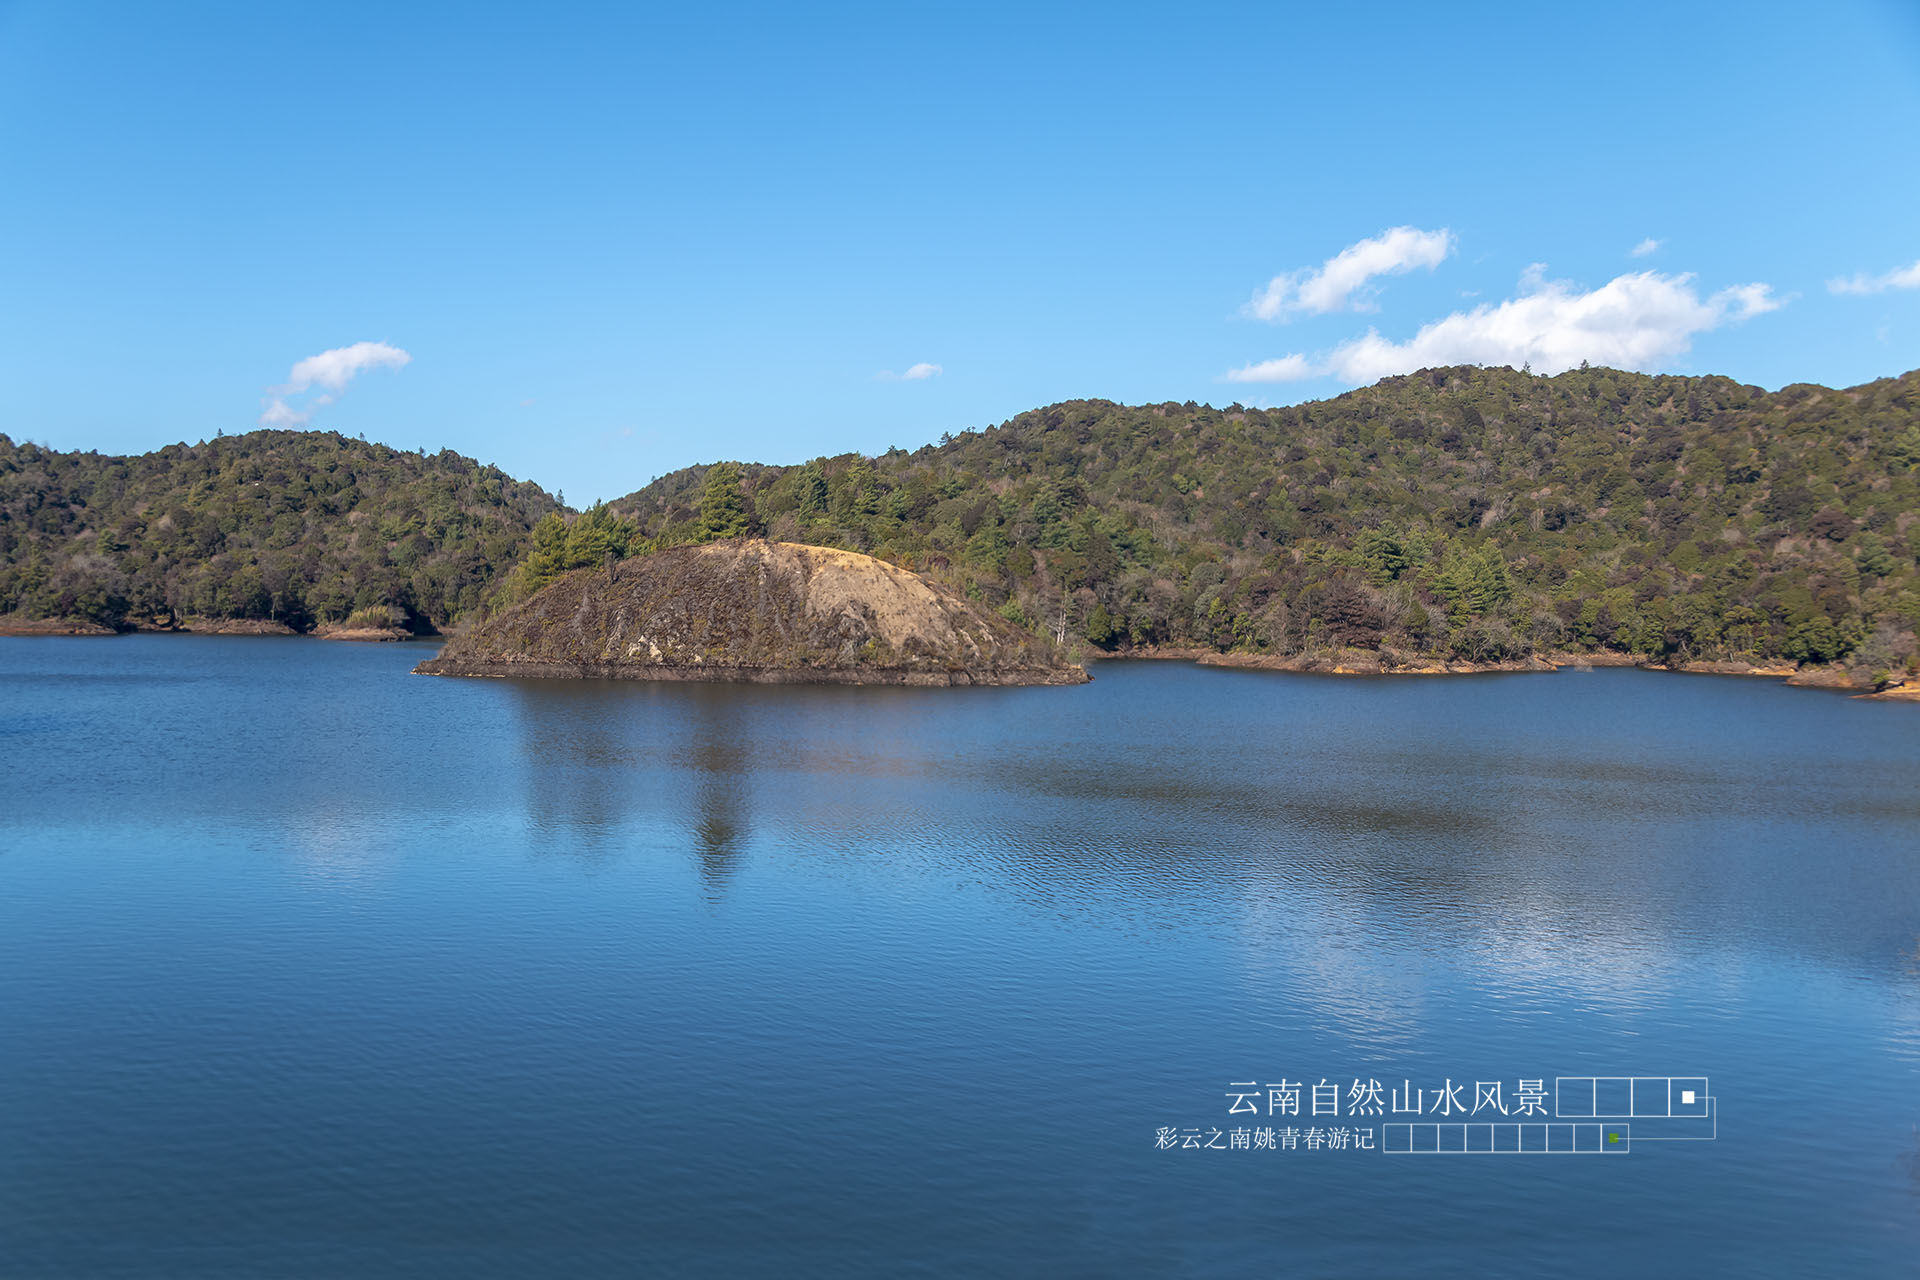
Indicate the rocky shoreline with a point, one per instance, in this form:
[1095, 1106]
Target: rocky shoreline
[1367, 662]
[1339, 662]
[334, 631]
[52, 627]
[197, 627]
[900, 676]
[223, 627]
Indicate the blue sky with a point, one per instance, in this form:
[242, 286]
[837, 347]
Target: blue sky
[612, 241]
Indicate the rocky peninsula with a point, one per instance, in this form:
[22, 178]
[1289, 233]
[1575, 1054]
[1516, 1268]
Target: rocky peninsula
[751, 610]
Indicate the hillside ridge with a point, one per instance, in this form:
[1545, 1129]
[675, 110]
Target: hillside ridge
[1471, 514]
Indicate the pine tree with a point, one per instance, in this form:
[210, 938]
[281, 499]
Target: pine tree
[811, 493]
[1476, 581]
[724, 512]
[1100, 628]
[597, 537]
[548, 559]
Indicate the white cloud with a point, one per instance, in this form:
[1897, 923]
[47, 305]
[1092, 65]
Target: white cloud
[278, 415]
[1341, 282]
[1898, 278]
[1637, 321]
[332, 370]
[917, 373]
[336, 368]
[1291, 368]
[1751, 299]
[1645, 247]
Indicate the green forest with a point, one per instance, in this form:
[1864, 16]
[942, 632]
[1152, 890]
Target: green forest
[297, 527]
[1481, 514]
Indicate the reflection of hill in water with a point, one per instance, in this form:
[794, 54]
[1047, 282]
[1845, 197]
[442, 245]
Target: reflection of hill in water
[606, 761]
[1543, 818]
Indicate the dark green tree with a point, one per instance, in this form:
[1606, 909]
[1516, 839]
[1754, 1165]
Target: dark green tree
[724, 510]
[811, 493]
[1873, 556]
[548, 558]
[597, 537]
[1100, 628]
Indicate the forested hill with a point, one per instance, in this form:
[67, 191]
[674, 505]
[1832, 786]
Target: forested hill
[293, 526]
[1478, 512]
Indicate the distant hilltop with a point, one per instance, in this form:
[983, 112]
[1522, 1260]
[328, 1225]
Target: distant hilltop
[297, 529]
[750, 610]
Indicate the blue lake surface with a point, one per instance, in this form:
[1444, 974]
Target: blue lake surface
[311, 967]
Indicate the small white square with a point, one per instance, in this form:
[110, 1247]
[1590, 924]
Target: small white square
[1686, 1097]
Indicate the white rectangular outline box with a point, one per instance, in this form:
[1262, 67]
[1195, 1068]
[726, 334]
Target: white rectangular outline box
[1578, 1098]
[1509, 1138]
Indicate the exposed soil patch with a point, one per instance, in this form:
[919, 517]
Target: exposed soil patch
[765, 612]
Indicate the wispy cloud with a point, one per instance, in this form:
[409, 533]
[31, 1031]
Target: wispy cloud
[1293, 368]
[1646, 247]
[277, 414]
[331, 371]
[916, 373]
[1898, 278]
[1637, 321]
[1341, 282]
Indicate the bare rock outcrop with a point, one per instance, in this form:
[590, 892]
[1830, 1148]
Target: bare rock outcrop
[750, 610]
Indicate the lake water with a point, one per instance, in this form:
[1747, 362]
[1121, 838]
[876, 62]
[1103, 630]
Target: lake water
[311, 967]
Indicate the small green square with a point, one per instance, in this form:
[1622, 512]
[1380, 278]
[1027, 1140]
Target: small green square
[1613, 1137]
